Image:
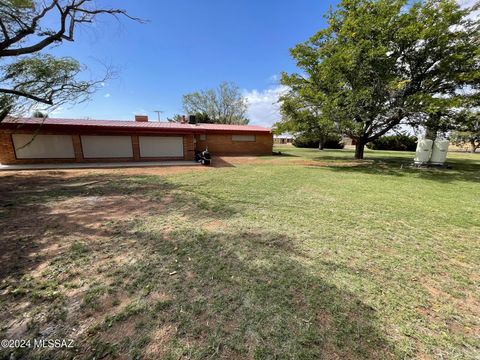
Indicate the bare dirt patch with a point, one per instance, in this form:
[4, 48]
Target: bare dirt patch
[334, 163]
[231, 161]
[73, 173]
[213, 225]
[94, 210]
[56, 244]
[158, 342]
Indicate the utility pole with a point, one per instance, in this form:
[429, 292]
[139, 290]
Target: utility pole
[158, 114]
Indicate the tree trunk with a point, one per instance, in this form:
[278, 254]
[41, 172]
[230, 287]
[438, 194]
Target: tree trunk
[431, 133]
[321, 143]
[4, 111]
[473, 147]
[359, 149]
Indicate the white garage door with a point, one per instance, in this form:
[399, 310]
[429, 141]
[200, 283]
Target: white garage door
[161, 146]
[43, 146]
[95, 146]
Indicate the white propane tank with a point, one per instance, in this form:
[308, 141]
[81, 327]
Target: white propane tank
[439, 152]
[423, 152]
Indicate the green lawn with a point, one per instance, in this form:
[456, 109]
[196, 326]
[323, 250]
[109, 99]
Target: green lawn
[307, 255]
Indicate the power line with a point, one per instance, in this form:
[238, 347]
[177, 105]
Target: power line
[158, 113]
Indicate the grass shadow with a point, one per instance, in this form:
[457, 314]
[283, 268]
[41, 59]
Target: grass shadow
[280, 153]
[455, 169]
[221, 162]
[433, 174]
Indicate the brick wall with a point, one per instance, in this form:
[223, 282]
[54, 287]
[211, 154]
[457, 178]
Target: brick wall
[189, 147]
[222, 144]
[218, 144]
[7, 153]
[7, 150]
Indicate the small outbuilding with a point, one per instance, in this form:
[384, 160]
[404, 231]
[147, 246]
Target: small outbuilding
[38, 140]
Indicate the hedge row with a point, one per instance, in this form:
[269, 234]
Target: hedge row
[394, 142]
[305, 142]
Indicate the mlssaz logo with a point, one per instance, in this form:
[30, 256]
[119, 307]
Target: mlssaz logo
[53, 343]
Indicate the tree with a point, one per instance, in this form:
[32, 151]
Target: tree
[383, 63]
[175, 118]
[305, 119]
[28, 77]
[468, 130]
[223, 105]
[203, 118]
[199, 117]
[39, 114]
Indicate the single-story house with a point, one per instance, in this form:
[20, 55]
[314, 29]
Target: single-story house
[283, 139]
[38, 140]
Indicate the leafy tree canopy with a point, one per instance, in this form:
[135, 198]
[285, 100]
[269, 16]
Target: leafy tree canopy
[39, 114]
[381, 63]
[468, 129]
[305, 118]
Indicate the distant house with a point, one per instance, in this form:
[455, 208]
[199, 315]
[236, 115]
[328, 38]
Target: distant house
[283, 139]
[348, 141]
[38, 140]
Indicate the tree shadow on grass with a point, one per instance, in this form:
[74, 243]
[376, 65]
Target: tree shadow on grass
[439, 175]
[260, 301]
[232, 294]
[455, 169]
[221, 162]
[281, 153]
[163, 283]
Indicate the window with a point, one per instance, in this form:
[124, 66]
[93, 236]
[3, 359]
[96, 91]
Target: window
[203, 137]
[243, 138]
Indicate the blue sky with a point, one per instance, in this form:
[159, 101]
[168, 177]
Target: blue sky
[188, 45]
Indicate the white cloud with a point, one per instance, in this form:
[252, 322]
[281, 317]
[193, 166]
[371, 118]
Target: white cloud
[56, 111]
[274, 78]
[468, 4]
[140, 111]
[263, 106]
[107, 95]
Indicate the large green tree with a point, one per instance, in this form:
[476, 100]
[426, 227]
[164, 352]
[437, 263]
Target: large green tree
[30, 78]
[223, 105]
[468, 129]
[382, 63]
[304, 119]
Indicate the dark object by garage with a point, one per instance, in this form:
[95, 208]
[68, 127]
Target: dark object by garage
[203, 157]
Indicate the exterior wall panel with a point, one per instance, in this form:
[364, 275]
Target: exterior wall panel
[161, 146]
[223, 144]
[30, 146]
[97, 147]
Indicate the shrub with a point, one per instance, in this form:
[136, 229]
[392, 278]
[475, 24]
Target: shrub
[400, 142]
[333, 142]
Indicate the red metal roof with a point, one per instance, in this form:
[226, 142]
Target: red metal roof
[123, 125]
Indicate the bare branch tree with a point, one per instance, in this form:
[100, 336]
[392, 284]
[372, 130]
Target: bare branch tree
[224, 105]
[28, 77]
